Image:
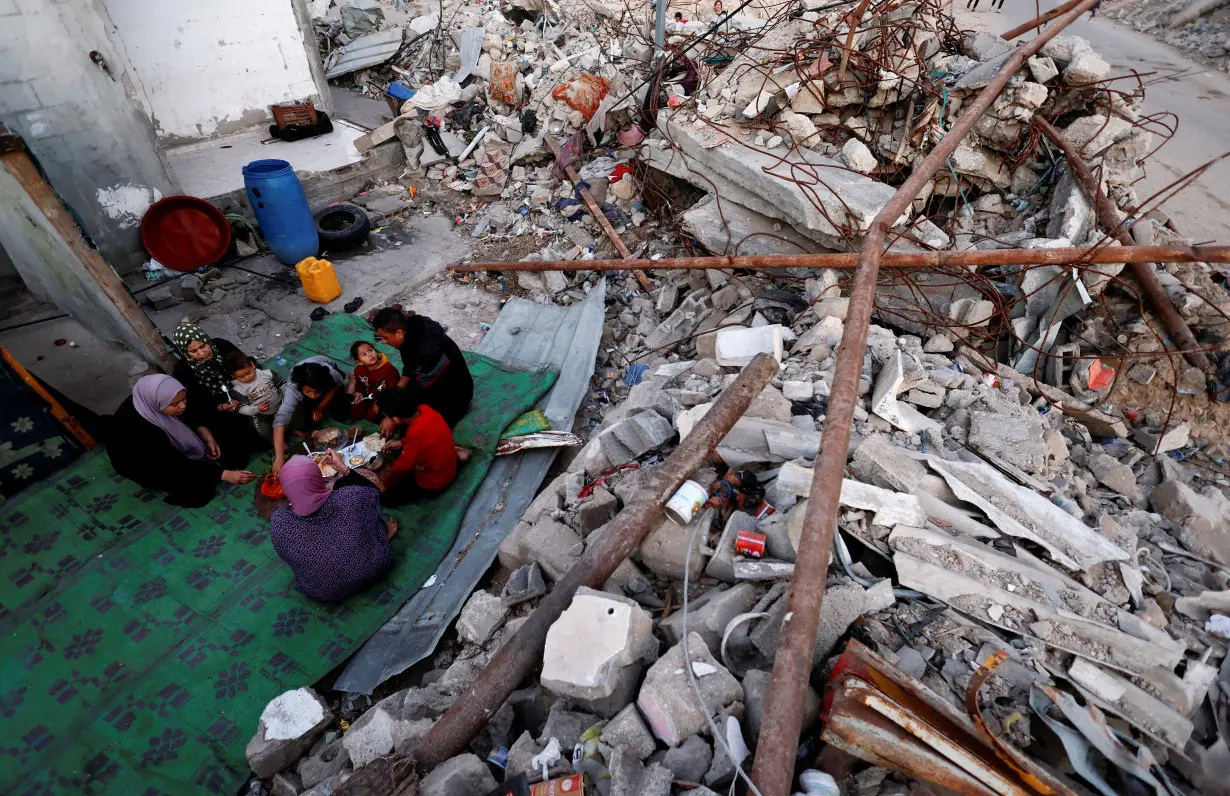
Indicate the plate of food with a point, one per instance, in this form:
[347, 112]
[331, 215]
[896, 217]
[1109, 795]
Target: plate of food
[326, 467]
[328, 437]
[374, 442]
[357, 461]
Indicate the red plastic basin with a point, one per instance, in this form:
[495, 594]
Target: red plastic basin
[185, 233]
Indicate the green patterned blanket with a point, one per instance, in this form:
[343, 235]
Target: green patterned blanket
[142, 641]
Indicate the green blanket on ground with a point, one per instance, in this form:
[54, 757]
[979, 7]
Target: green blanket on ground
[142, 641]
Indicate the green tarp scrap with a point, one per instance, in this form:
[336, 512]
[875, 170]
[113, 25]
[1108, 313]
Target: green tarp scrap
[142, 641]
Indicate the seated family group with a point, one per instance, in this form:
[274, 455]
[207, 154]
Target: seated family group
[185, 433]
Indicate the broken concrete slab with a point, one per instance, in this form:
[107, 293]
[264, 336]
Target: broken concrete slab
[628, 729]
[1018, 511]
[745, 232]
[888, 466]
[635, 436]
[669, 547]
[481, 616]
[526, 583]
[549, 542]
[464, 775]
[709, 614]
[595, 651]
[1011, 432]
[1114, 475]
[752, 177]
[884, 399]
[668, 701]
[1120, 696]
[737, 346]
[690, 760]
[755, 687]
[288, 727]
[891, 508]
[1024, 595]
[1155, 442]
[844, 602]
[1205, 516]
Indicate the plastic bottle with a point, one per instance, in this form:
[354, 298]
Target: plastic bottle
[319, 280]
[281, 209]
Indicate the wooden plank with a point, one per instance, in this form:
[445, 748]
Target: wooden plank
[111, 289]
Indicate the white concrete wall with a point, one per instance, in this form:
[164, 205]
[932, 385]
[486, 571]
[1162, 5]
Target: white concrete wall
[80, 122]
[211, 68]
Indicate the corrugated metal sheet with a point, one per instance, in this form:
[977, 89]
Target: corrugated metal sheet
[365, 51]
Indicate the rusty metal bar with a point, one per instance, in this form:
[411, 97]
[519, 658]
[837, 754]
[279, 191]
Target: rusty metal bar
[520, 655]
[600, 217]
[773, 772]
[1142, 270]
[968, 258]
[1042, 19]
[855, 18]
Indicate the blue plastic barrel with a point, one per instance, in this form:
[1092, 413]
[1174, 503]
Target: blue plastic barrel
[281, 209]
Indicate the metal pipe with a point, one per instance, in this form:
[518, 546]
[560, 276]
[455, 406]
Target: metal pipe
[773, 772]
[968, 258]
[518, 657]
[600, 217]
[1041, 19]
[1142, 270]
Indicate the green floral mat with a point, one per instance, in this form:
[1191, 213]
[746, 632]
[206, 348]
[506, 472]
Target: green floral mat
[142, 641]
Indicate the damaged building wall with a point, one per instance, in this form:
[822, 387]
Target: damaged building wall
[205, 70]
[78, 120]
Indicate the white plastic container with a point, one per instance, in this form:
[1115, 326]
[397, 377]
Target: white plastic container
[686, 502]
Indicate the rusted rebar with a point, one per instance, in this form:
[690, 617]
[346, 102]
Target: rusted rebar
[517, 658]
[969, 258]
[773, 771]
[1142, 270]
[1042, 19]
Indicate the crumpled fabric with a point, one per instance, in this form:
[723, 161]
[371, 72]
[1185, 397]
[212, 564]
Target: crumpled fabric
[438, 95]
[583, 94]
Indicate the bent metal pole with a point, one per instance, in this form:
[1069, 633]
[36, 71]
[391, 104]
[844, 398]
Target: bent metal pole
[773, 770]
[518, 657]
[967, 258]
[1142, 271]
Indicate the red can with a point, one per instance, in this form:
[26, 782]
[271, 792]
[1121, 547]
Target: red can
[750, 543]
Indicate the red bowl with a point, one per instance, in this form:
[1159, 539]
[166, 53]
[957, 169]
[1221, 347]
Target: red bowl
[185, 233]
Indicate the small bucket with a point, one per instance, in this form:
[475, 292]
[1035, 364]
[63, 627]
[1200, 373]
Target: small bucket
[686, 502]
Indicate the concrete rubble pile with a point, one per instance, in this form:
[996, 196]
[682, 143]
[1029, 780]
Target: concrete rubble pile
[989, 503]
[977, 516]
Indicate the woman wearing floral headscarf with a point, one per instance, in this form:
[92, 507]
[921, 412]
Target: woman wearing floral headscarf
[207, 381]
[160, 441]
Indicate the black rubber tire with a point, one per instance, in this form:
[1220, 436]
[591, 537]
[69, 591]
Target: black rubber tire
[342, 226]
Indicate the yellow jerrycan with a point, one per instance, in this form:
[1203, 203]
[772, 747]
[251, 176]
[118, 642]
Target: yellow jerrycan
[319, 281]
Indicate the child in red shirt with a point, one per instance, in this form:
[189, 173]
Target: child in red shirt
[373, 374]
[428, 461]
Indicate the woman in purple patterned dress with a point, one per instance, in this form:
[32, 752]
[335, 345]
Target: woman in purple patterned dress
[332, 536]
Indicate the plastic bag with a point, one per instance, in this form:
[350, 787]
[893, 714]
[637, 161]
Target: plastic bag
[583, 94]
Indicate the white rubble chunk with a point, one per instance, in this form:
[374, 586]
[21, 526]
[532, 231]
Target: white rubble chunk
[858, 157]
[593, 642]
[736, 346]
[884, 399]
